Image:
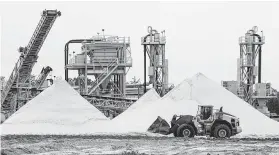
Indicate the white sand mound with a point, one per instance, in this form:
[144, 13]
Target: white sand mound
[147, 98]
[180, 92]
[113, 126]
[57, 110]
[150, 95]
[140, 118]
[203, 91]
[61, 110]
[207, 92]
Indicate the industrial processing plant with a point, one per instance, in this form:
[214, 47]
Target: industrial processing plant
[102, 79]
[93, 96]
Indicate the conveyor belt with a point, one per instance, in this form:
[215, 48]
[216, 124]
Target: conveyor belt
[29, 56]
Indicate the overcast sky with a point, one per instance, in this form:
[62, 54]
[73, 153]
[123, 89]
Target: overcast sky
[201, 36]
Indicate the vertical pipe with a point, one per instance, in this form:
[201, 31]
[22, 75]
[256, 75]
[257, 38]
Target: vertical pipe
[154, 66]
[260, 64]
[124, 85]
[114, 81]
[85, 72]
[66, 61]
[144, 59]
[79, 84]
[119, 83]
[163, 70]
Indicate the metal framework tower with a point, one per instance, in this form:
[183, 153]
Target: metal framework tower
[17, 89]
[154, 46]
[250, 49]
[250, 90]
[106, 59]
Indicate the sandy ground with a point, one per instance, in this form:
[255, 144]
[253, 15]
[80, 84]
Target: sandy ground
[73, 145]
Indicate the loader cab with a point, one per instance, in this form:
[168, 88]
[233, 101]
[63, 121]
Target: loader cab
[205, 111]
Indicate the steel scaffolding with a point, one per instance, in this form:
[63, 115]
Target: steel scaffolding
[106, 60]
[250, 48]
[154, 47]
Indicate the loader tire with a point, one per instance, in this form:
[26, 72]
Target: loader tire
[222, 131]
[185, 130]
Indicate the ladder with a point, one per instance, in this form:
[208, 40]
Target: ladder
[29, 56]
[42, 77]
[103, 76]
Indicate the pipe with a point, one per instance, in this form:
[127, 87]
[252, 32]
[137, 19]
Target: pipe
[85, 72]
[144, 68]
[66, 61]
[260, 65]
[66, 51]
[144, 61]
[260, 59]
[144, 39]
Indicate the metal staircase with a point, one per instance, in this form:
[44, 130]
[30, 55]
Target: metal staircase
[28, 58]
[103, 76]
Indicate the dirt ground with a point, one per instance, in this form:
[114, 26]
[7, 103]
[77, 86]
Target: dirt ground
[87, 145]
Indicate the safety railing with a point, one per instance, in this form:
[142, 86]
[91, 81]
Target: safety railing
[73, 61]
[251, 39]
[161, 40]
[111, 39]
[106, 60]
[128, 60]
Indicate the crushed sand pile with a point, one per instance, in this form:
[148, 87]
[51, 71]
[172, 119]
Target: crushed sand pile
[61, 110]
[207, 92]
[57, 110]
[140, 118]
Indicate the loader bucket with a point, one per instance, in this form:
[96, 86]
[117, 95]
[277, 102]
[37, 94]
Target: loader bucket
[160, 126]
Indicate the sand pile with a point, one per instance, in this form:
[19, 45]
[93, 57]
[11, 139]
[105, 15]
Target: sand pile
[182, 91]
[116, 125]
[148, 98]
[185, 98]
[57, 110]
[140, 118]
[61, 110]
[207, 92]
